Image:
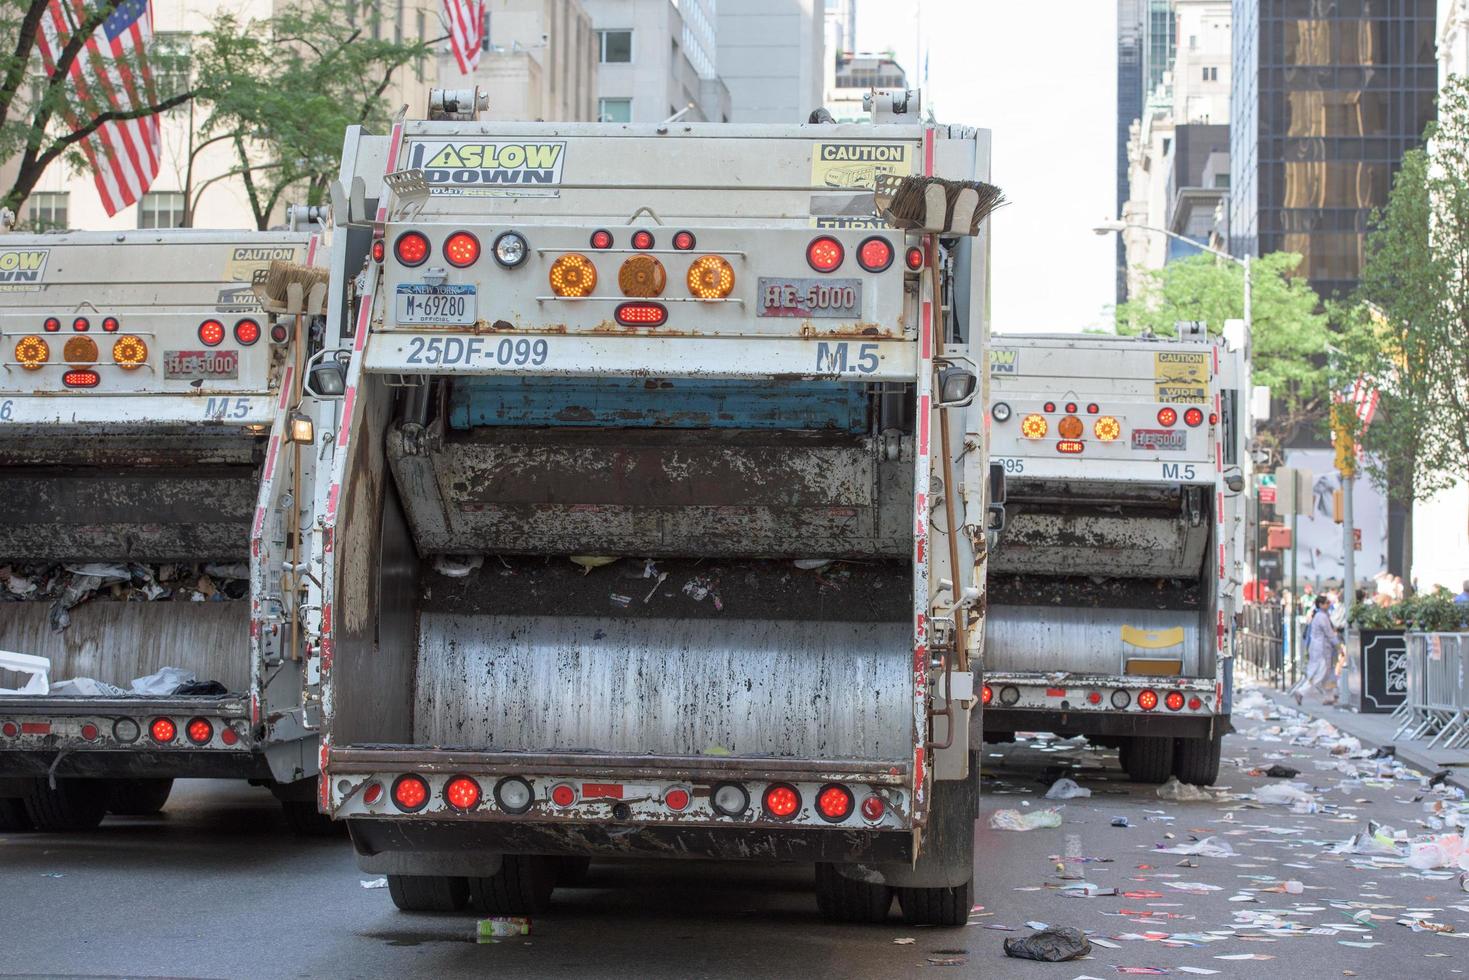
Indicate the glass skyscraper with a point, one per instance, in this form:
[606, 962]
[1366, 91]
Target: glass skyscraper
[1146, 42]
[1327, 97]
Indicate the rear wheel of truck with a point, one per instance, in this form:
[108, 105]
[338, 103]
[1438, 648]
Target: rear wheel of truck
[522, 886]
[1196, 760]
[843, 899]
[13, 816]
[74, 805]
[428, 893]
[937, 906]
[138, 797]
[1147, 759]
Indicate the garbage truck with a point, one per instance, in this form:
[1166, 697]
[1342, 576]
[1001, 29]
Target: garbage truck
[657, 519]
[152, 529]
[1115, 583]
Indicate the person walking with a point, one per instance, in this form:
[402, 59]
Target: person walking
[1322, 641]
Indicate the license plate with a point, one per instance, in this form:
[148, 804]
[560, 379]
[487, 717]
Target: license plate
[836, 298]
[200, 365]
[450, 306]
[1159, 440]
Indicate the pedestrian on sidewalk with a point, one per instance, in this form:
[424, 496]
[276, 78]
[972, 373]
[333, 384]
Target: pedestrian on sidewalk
[1322, 642]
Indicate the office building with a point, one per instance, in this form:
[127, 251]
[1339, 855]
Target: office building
[658, 59]
[772, 57]
[1145, 45]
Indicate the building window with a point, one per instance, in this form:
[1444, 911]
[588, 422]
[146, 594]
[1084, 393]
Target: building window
[1211, 74]
[47, 210]
[614, 47]
[171, 60]
[614, 110]
[161, 209]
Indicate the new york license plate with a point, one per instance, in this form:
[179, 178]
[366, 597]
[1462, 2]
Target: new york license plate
[838, 298]
[443, 305]
[200, 365]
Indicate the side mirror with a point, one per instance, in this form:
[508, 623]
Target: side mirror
[997, 483]
[956, 387]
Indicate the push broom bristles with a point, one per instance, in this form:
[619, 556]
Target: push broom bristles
[292, 288]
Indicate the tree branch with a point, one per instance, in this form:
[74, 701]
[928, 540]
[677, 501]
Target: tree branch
[30, 26]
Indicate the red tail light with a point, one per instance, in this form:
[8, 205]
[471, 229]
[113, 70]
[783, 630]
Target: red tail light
[81, 379]
[411, 248]
[873, 807]
[641, 314]
[642, 239]
[834, 803]
[10, 729]
[279, 333]
[162, 731]
[1070, 446]
[1193, 417]
[199, 731]
[684, 241]
[211, 332]
[825, 254]
[373, 793]
[1194, 704]
[1147, 700]
[379, 250]
[461, 249]
[1174, 700]
[1071, 408]
[1167, 416]
[228, 735]
[1048, 407]
[81, 324]
[1093, 408]
[914, 258]
[782, 801]
[410, 793]
[1213, 418]
[247, 332]
[986, 694]
[563, 795]
[110, 324]
[462, 793]
[52, 324]
[875, 254]
[676, 800]
[89, 732]
[1095, 697]
[601, 238]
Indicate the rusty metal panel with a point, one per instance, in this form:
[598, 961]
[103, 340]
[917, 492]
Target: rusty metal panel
[667, 687]
[1091, 542]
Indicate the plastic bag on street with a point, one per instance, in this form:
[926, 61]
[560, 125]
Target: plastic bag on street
[1065, 789]
[1051, 945]
[1208, 847]
[1182, 792]
[165, 680]
[1284, 794]
[1441, 852]
[1373, 840]
[1015, 820]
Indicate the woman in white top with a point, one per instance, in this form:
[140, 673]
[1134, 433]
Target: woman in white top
[1321, 646]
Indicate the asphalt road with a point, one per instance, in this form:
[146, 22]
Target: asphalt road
[216, 887]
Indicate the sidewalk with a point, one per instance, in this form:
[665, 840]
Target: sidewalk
[1377, 731]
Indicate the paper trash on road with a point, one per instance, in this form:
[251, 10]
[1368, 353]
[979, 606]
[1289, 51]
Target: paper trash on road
[1212, 847]
[1183, 792]
[1065, 789]
[374, 883]
[1015, 820]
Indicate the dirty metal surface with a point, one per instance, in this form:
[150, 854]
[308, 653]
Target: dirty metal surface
[1086, 641]
[114, 642]
[668, 687]
[1079, 540]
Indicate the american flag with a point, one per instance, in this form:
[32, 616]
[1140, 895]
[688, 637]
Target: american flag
[1363, 396]
[110, 73]
[466, 31]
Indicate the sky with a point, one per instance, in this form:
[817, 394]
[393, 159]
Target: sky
[1043, 79]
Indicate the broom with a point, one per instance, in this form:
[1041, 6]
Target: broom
[957, 207]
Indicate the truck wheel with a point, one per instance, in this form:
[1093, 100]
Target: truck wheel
[13, 816]
[306, 820]
[522, 886]
[571, 871]
[74, 805]
[1148, 759]
[937, 906]
[428, 893]
[139, 797]
[1196, 760]
[843, 899]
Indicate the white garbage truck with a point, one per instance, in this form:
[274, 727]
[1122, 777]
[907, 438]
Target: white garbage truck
[640, 538]
[1115, 583]
[149, 522]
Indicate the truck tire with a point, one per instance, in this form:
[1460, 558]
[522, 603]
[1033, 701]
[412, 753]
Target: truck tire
[522, 886]
[571, 870]
[1196, 760]
[138, 797]
[948, 907]
[428, 893]
[305, 820]
[843, 899]
[13, 816]
[1148, 759]
[74, 805]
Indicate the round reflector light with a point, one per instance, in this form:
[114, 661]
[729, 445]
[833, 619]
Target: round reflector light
[1121, 699]
[641, 314]
[834, 803]
[10, 729]
[676, 800]
[563, 795]
[1174, 700]
[199, 731]
[1193, 417]
[1147, 699]
[1069, 427]
[411, 248]
[110, 324]
[81, 324]
[80, 351]
[1071, 407]
[162, 731]
[573, 275]
[684, 241]
[125, 730]
[129, 352]
[89, 732]
[511, 249]
[1094, 697]
[1167, 416]
[914, 258]
[1194, 704]
[1093, 408]
[461, 249]
[1107, 428]
[211, 332]
[247, 331]
[730, 799]
[875, 254]
[1001, 411]
[642, 275]
[601, 238]
[379, 250]
[410, 793]
[462, 793]
[782, 801]
[642, 239]
[1034, 426]
[32, 353]
[228, 735]
[1213, 418]
[986, 694]
[873, 807]
[52, 324]
[513, 794]
[372, 793]
[279, 334]
[710, 277]
[1009, 695]
[825, 254]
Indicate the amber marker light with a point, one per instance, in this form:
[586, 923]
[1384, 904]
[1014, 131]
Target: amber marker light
[711, 277]
[1034, 426]
[1107, 428]
[643, 276]
[32, 353]
[573, 275]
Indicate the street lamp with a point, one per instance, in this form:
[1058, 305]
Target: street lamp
[1116, 227]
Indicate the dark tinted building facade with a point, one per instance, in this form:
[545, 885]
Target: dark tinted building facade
[1146, 38]
[1328, 95]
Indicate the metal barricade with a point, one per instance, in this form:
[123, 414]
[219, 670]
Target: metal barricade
[1438, 689]
[1261, 643]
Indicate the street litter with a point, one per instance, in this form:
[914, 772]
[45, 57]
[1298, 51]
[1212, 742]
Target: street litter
[589, 562]
[1052, 945]
[374, 883]
[454, 566]
[1285, 794]
[1182, 792]
[1065, 789]
[1444, 851]
[1208, 847]
[905, 941]
[1120, 822]
[502, 927]
[1278, 771]
[1015, 820]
